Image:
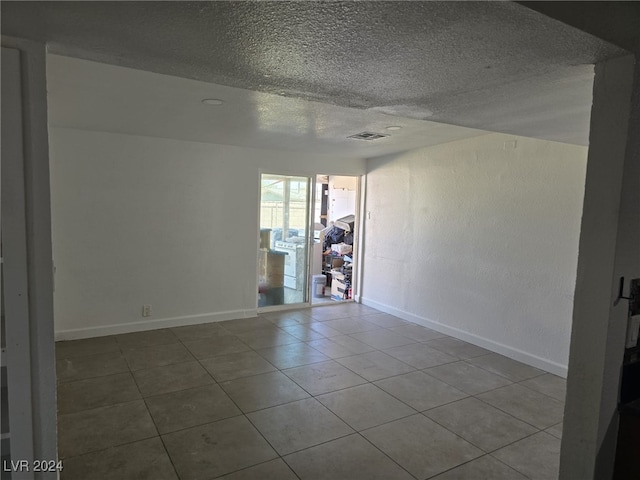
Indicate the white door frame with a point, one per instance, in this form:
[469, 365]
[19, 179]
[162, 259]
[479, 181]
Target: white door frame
[310, 203]
[28, 267]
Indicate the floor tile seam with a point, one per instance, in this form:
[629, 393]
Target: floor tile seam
[155, 425]
[516, 441]
[501, 374]
[57, 359]
[424, 370]
[147, 407]
[485, 452]
[384, 378]
[507, 464]
[414, 412]
[215, 380]
[198, 358]
[453, 354]
[240, 414]
[274, 346]
[165, 365]
[133, 372]
[434, 421]
[459, 400]
[512, 415]
[99, 376]
[200, 339]
[296, 366]
[387, 455]
[257, 464]
[229, 396]
[288, 402]
[172, 391]
[59, 413]
[302, 339]
[284, 457]
[552, 434]
[182, 429]
[494, 372]
[181, 390]
[64, 382]
[323, 393]
[531, 390]
[381, 351]
[343, 366]
[537, 391]
[136, 347]
[359, 331]
[438, 365]
[209, 338]
[255, 427]
[91, 452]
[349, 355]
[331, 358]
[353, 432]
[475, 459]
[164, 446]
[147, 347]
[285, 345]
[256, 335]
[444, 404]
[383, 390]
[413, 341]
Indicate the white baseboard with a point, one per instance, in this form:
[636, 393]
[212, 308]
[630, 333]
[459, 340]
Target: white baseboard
[152, 324]
[514, 353]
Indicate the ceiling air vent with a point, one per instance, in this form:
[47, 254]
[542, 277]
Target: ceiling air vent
[368, 136]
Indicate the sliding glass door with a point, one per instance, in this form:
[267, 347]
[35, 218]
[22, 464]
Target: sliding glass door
[284, 240]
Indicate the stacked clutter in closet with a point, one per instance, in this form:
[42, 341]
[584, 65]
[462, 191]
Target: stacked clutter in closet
[338, 262]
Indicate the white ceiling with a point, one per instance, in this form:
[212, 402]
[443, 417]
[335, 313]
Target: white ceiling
[96, 96]
[304, 75]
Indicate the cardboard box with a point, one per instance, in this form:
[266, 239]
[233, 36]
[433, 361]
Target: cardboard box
[338, 286]
[336, 262]
[341, 248]
[270, 268]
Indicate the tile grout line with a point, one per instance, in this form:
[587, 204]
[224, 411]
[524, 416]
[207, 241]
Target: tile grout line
[510, 414]
[386, 455]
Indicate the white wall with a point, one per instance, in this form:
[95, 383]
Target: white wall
[342, 196]
[479, 239]
[141, 220]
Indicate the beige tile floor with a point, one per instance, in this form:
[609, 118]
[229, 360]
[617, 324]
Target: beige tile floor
[338, 392]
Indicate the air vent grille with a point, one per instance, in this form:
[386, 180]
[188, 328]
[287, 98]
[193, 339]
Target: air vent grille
[368, 136]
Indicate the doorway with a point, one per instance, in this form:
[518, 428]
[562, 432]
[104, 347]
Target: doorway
[284, 240]
[333, 249]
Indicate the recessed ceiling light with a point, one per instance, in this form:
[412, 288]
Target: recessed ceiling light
[394, 127]
[212, 101]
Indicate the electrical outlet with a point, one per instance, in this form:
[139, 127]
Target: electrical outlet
[146, 310]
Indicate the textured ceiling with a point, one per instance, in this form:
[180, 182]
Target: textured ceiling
[617, 22]
[497, 66]
[96, 96]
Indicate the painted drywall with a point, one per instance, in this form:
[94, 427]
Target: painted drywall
[479, 239]
[174, 224]
[609, 240]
